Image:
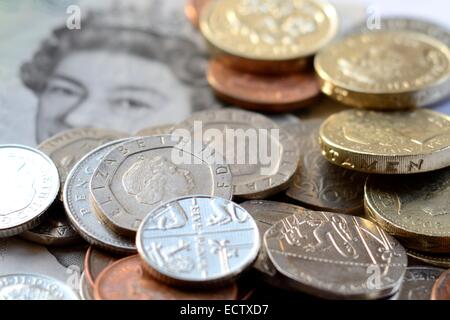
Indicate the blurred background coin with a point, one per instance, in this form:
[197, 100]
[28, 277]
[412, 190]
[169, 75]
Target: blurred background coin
[397, 23]
[155, 130]
[80, 210]
[265, 93]
[138, 176]
[400, 142]
[266, 36]
[385, 70]
[332, 255]
[29, 184]
[418, 283]
[415, 209]
[34, 287]
[193, 9]
[197, 241]
[320, 185]
[252, 178]
[126, 280]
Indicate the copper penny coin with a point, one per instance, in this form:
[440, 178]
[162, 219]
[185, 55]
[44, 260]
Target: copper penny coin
[268, 93]
[193, 9]
[320, 185]
[441, 288]
[95, 262]
[126, 280]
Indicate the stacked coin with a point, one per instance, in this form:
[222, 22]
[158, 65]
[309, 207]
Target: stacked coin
[261, 58]
[161, 210]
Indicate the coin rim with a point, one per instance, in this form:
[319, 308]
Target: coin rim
[36, 218]
[327, 8]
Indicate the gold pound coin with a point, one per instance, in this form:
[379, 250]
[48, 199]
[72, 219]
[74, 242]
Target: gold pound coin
[415, 209]
[269, 36]
[385, 70]
[400, 142]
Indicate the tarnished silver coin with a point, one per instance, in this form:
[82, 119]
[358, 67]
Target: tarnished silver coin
[262, 156]
[80, 210]
[396, 23]
[333, 255]
[155, 130]
[34, 287]
[418, 283]
[28, 186]
[142, 174]
[197, 241]
[86, 292]
[320, 185]
[54, 230]
[67, 147]
[266, 214]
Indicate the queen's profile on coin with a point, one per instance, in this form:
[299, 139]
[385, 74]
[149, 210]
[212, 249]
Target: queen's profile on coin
[149, 181]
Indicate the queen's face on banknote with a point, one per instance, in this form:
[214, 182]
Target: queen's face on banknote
[112, 76]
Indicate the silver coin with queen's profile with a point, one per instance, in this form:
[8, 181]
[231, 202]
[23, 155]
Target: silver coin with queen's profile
[197, 241]
[28, 186]
[333, 255]
[138, 176]
[81, 211]
[34, 287]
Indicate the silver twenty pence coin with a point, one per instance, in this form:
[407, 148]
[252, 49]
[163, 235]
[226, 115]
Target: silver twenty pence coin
[28, 186]
[336, 256]
[79, 207]
[198, 240]
[34, 287]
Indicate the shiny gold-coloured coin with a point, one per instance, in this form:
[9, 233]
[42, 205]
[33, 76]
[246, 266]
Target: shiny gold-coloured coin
[253, 34]
[434, 259]
[385, 70]
[415, 208]
[399, 142]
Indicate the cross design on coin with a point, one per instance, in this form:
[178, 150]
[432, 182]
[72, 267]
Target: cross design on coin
[220, 247]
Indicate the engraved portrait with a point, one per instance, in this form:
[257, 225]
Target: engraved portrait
[151, 180]
[430, 197]
[122, 70]
[18, 187]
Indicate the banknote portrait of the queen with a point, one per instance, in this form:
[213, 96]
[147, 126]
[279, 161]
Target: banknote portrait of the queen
[118, 71]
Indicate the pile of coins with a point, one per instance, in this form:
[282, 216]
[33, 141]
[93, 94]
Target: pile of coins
[348, 199]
